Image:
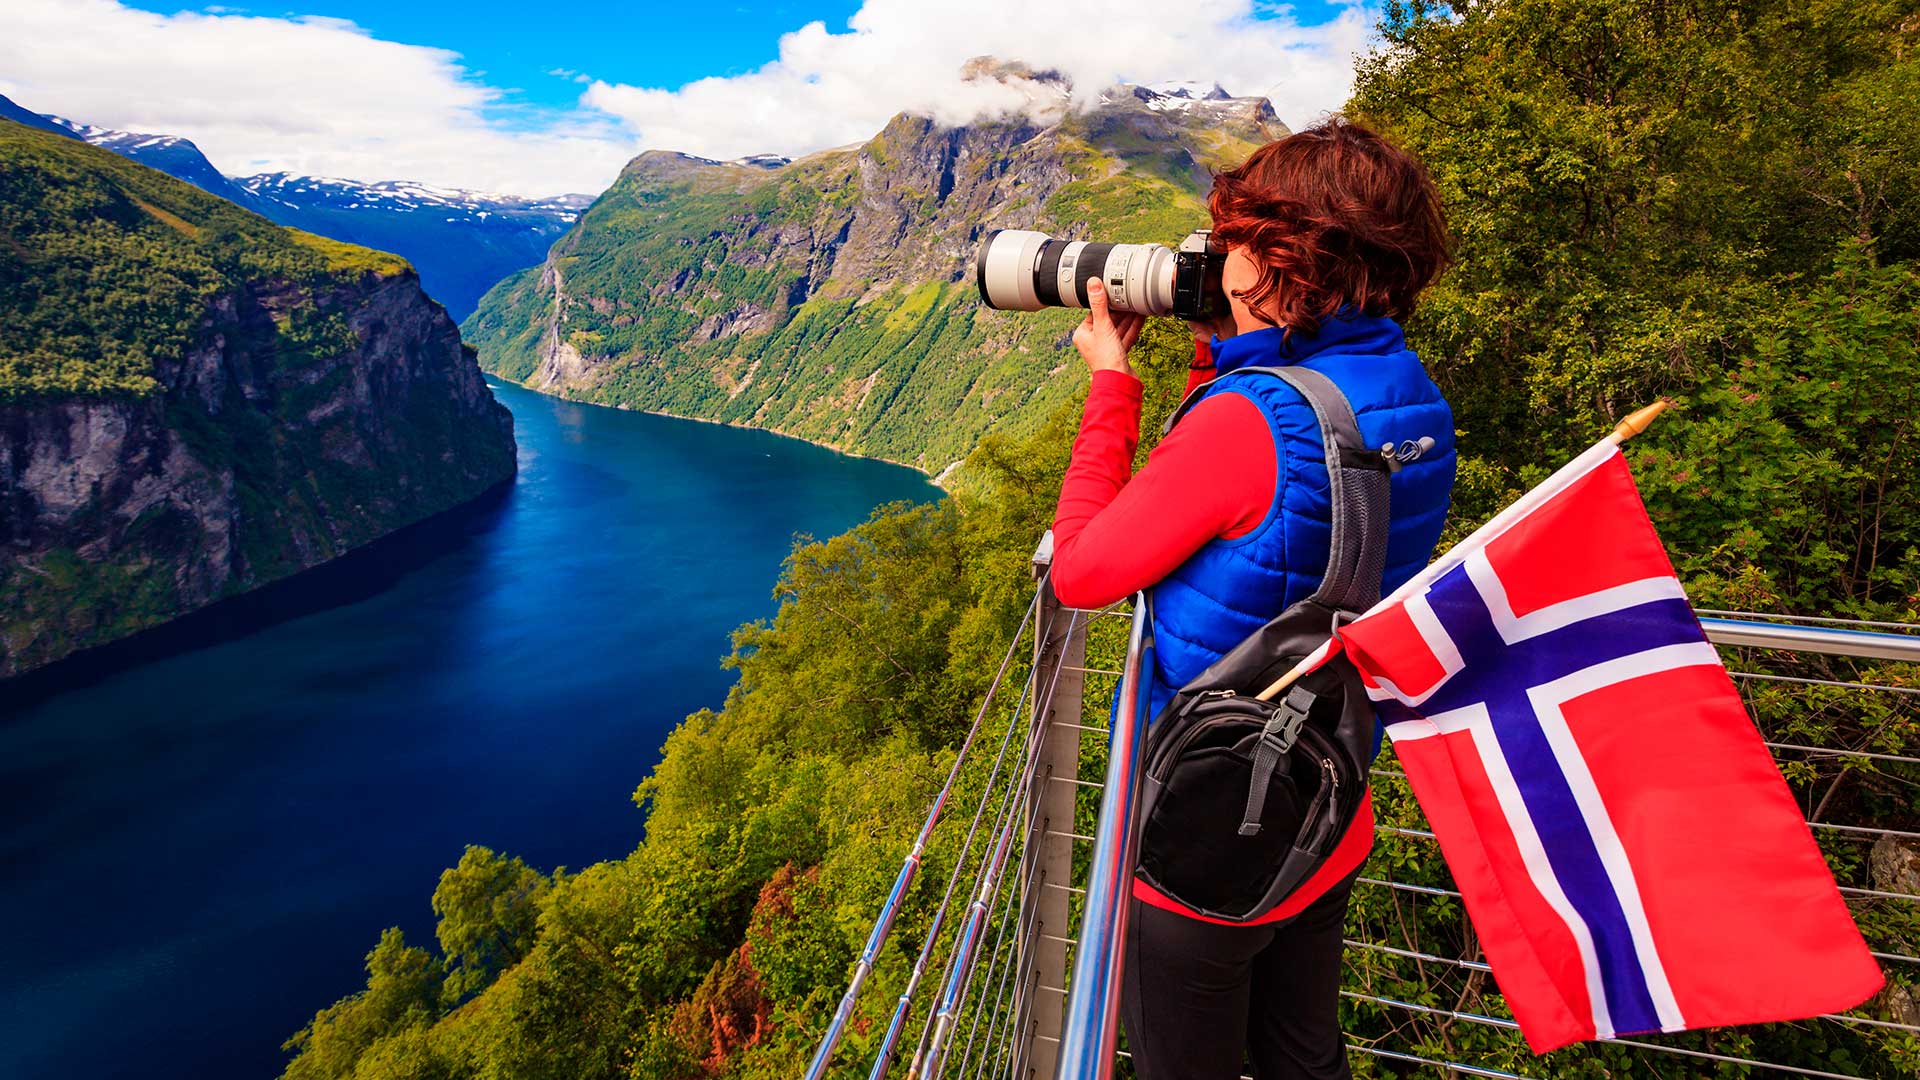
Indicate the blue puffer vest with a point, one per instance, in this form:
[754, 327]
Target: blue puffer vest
[1229, 588]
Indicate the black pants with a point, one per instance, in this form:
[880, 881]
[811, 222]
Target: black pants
[1195, 996]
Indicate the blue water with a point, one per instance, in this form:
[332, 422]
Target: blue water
[197, 850]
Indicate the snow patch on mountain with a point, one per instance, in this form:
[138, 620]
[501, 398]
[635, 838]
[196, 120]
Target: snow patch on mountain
[121, 140]
[403, 196]
[1189, 91]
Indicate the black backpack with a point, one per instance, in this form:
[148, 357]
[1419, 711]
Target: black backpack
[1242, 799]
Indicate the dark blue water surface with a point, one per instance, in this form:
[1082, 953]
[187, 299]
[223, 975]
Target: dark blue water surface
[198, 849]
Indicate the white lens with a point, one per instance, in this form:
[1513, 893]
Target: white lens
[1063, 279]
[1006, 270]
[1024, 270]
[1139, 278]
[1156, 282]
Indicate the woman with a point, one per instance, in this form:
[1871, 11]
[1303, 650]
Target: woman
[1331, 233]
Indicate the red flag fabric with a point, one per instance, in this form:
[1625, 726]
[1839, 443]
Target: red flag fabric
[1624, 843]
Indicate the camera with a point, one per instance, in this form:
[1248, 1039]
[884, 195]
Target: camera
[1023, 270]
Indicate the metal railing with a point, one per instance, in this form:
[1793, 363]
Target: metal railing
[994, 943]
[1091, 1035]
[1006, 1005]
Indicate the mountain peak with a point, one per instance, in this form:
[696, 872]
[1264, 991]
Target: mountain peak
[123, 142]
[1193, 91]
[1044, 95]
[1205, 103]
[1009, 72]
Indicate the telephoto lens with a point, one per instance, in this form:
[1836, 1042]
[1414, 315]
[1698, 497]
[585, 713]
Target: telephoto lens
[1024, 270]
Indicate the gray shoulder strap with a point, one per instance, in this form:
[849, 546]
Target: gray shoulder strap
[1357, 476]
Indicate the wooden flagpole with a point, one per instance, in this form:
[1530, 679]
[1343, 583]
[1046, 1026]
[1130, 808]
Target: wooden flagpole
[1638, 422]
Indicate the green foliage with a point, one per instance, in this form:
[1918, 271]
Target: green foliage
[1632, 191]
[66, 601]
[402, 995]
[110, 267]
[350, 258]
[1789, 482]
[488, 906]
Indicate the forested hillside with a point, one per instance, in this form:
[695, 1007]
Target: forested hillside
[1710, 201]
[195, 401]
[833, 297]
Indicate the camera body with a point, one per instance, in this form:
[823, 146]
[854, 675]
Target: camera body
[1024, 270]
[1197, 293]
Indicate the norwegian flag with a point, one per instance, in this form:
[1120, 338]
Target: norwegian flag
[1626, 847]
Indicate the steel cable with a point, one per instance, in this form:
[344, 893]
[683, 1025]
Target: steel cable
[1494, 1021]
[883, 926]
[999, 961]
[958, 974]
[902, 1009]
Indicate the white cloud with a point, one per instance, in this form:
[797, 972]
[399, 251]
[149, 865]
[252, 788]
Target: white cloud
[828, 89]
[316, 95]
[306, 95]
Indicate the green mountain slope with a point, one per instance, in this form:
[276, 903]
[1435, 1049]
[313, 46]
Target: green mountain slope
[195, 401]
[832, 297]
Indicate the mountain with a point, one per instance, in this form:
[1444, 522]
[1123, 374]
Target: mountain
[10, 110]
[172, 155]
[462, 242]
[832, 297]
[195, 402]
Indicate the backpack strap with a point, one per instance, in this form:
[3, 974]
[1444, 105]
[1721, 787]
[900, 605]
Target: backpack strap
[1357, 476]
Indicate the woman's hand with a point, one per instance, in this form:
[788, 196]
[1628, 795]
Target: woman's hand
[1105, 336]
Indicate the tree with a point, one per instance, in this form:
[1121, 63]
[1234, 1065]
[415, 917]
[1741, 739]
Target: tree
[403, 992]
[488, 907]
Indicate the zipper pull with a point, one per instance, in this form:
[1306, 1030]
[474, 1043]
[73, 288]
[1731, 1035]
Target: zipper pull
[1333, 783]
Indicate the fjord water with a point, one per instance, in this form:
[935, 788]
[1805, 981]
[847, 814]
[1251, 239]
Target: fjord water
[197, 851]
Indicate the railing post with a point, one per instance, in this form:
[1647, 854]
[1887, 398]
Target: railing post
[1092, 1030]
[1047, 855]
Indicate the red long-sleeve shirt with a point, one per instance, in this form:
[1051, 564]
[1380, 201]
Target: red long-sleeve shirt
[1116, 532]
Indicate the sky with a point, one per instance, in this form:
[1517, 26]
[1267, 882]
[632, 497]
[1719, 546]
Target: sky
[540, 99]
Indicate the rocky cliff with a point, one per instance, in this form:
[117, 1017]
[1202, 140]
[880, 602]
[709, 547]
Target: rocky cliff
[832, 297]
[195, 402]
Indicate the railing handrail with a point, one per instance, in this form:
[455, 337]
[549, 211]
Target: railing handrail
[1088, 1041]
[1831, 640]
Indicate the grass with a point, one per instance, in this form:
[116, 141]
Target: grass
[350, 258]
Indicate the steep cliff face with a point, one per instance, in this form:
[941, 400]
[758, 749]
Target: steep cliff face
[832, 297]
[195, 402]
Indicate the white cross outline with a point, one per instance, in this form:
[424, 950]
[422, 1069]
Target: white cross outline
[1548, 701]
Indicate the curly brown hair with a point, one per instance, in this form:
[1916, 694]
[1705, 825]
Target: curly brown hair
[1340, 217]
